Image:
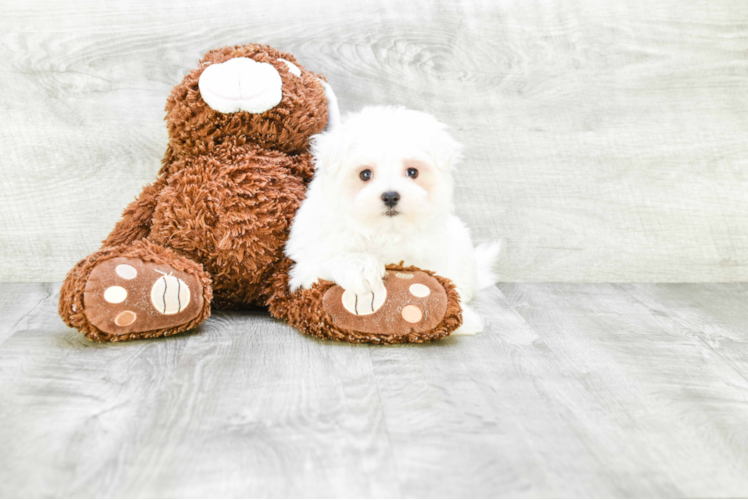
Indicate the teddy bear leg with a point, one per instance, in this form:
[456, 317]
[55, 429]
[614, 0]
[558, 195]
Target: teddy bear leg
[135, 291]
[414, 306]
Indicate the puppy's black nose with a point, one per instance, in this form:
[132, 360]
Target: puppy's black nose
[390, 198]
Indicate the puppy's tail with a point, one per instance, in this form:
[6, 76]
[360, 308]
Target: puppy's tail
[486, 258]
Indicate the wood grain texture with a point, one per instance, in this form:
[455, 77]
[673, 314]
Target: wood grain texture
[605, 141]
[584, 390]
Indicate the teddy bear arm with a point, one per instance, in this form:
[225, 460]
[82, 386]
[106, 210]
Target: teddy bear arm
[137, 217]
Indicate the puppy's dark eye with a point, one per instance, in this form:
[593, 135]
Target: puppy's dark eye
[365, 175]
[412, 173]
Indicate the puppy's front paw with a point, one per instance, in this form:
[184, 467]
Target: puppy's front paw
[360, 274]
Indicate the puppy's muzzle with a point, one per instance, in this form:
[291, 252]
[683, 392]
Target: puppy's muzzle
[390, 198]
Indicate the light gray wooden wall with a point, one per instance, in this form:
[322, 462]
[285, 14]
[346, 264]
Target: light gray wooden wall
[605, 141]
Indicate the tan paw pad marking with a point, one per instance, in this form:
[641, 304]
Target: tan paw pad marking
[412, 314]
[126, 271]
[115, 294]
[125, 318]
[364, 304]
[170, 295]
[419, 290]
[404, 276]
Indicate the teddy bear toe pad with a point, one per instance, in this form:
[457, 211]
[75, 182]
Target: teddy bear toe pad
[411, 302]
[127, 295]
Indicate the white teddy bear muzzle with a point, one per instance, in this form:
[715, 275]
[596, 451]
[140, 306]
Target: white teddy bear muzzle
[241, 84]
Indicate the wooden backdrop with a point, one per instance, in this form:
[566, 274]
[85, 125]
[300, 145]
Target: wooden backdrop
[605, 141]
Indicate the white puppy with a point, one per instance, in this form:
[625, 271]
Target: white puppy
[382, 193]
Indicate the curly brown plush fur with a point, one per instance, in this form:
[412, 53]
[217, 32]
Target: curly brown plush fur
[221, 208]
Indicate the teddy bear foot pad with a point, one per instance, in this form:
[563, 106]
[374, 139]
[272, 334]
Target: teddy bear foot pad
[409, 302]
[127, 295]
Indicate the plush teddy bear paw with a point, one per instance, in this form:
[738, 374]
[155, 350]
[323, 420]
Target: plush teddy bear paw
[127, 295]
[411, 303]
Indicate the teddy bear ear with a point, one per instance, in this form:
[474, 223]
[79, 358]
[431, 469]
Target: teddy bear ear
[333, 112]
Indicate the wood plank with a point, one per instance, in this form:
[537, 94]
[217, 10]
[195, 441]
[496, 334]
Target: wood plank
[19, 300]
[72, 410]
[494, 415]
[604, 141]
[668, 406]
[246, 406]
[255, 409]
[585, 390]
[715, 314]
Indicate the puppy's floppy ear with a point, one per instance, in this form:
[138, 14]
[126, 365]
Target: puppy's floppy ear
[445, 150]
[329, 151]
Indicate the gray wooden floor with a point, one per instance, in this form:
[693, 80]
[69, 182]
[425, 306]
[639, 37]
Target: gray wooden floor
[574, 390]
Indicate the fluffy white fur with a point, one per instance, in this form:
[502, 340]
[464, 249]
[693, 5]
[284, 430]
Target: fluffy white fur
[343, 232]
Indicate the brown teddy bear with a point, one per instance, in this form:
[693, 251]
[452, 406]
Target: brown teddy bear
[211, 229]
